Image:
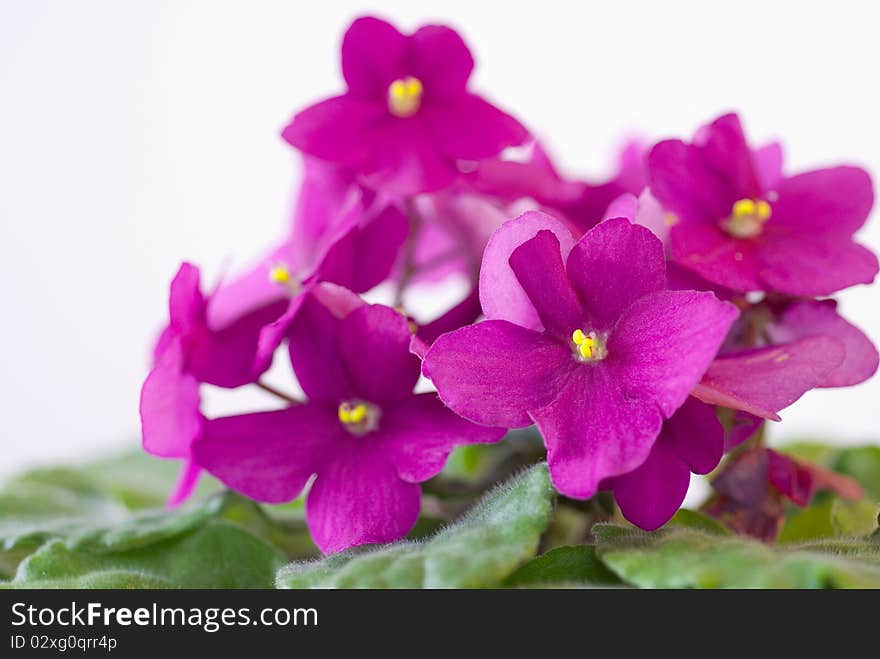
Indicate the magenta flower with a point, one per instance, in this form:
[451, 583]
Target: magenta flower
[692, 440]
[584, 340]
[191, 351]
[228, 339]
[363, 434]
[407, 117]
[743, 225]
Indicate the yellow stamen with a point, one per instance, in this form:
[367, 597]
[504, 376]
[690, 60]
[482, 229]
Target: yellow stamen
[589, 346]
[405, 96]
[747, 218]
[352, 414]
[279, 274]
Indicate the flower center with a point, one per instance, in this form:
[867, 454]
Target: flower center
[281, 275]
[588, 346]
[405, 96]
[747, 218]
[358, 417]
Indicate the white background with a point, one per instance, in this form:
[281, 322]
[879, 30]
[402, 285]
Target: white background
[135, 134]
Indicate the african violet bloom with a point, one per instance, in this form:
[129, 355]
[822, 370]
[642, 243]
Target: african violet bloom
[365, 436]
[584, 340]
[228, 338]
[740, 223]
[190, 351]
[407, 117]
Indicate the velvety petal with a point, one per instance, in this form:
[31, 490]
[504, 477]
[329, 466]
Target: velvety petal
[440, 59]
[768, 165]
[715, 256]
[231, 357]
[650, 495]
[681, 181]
[594, 431]
[790, 478]
[169, 406]
[471, 128]
[809, 318]
[186, 306]
[494, 372]
[766, 380]
[407, 160]
[540, 271]
[358, 499]
[613, 265]
[373, 343]
[186, 483]
[374, 55]
[419, 432]
[726, 153]
[313, 344]
[363, 256]
[270, 456]
[272, 334]
[663, 344]
[833, 201]
[501, 295]
[696, 435]
[810, 265]
[341, 129]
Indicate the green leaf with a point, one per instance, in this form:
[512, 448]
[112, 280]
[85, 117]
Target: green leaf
[480, 550]
[854, 518]
[692, 519]
[808, 523]
[217, 554]
[576, 565]
[686, 558]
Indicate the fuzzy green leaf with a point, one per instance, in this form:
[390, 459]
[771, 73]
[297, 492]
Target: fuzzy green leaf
[572, 565]
[217, 554]
[686, 558]
[480, 550]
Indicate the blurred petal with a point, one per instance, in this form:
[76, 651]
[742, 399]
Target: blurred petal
[169, 406]
[374, 54]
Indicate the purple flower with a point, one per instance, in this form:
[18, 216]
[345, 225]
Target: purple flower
[228, 339]
[365, 436]
[407, 117]
[584, 340]
[191, 351]
[692, 440]
[742, 224]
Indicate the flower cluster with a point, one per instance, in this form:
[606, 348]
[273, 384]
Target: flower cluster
[645, 325]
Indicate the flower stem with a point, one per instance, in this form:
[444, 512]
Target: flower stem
[409, 249]
[278, 393]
